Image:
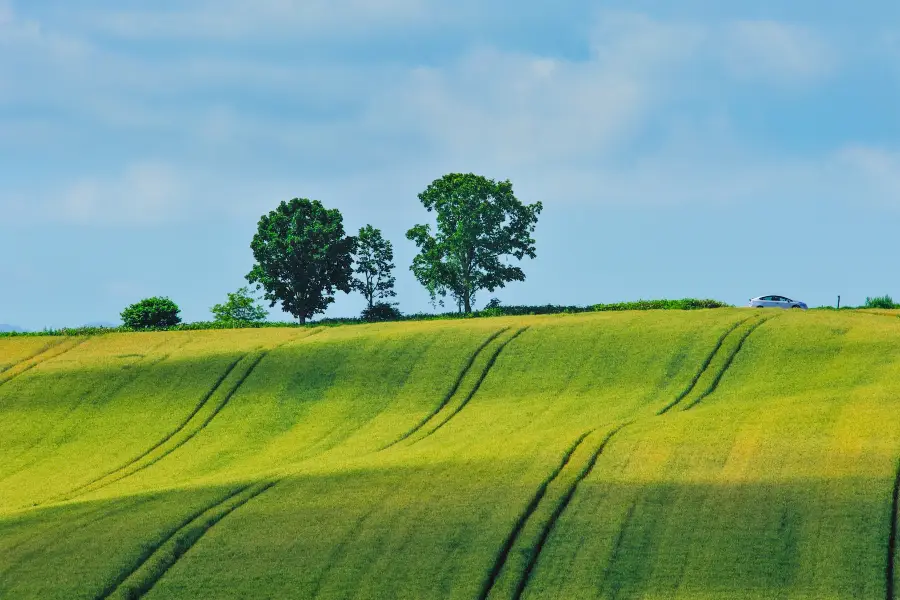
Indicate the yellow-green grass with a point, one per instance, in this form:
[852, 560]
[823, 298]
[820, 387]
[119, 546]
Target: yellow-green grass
[711, 454]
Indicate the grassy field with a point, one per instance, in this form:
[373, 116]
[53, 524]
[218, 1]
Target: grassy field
[725, 453]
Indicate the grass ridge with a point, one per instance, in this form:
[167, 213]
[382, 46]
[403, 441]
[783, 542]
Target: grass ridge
[703, 367]
[177, 543]
[477, 386]
[728, 362]
[559, 510]
[462, 374]
[503, 554]
[889, 576]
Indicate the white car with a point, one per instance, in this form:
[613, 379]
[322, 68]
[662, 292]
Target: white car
[776, 302]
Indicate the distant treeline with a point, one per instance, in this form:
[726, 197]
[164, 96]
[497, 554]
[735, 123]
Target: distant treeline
[493, 310]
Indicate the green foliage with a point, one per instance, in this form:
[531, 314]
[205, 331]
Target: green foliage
[880, 302]
[374, 264]
[241, 307]
[381, 311]
[150, 313]
[302, 257]
[480, 222]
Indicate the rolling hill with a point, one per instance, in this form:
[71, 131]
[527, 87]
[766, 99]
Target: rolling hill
[722, 453]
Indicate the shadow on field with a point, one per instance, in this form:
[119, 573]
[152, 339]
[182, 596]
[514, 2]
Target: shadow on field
[433, 532]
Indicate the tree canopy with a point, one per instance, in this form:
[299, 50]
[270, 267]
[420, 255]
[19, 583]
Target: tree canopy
[374, 264]
[480, 223]
[241, 307]
[302, 257]
[151, 312]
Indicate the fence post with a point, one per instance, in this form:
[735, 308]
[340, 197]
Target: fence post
[839, 303]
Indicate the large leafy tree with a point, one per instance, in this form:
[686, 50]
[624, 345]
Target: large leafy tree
[374, 264]
[480, 224]
[302, 257]
[157, 311]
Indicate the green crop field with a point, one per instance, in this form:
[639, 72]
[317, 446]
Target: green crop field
[725, 453]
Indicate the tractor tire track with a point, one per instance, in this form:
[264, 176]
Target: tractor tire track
[462, 374]
[38, 360]
[703, 368]
[510, 541]
[180, 427]
[728, 362]
[191, 435]
[559, 510]
[156, 560]
[889, 576]
[45, 348]
[124, 471]
[477, 386]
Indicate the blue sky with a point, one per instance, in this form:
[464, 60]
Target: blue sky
[710, 149]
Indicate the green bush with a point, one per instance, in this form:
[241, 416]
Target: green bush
[151, 313]
[880, 302]
[241, 307]
[381, 311]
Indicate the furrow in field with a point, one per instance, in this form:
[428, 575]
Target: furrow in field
[462, 374]
[510, 541]
[890, 585]
[53, 352]
[153, 564]
[558, 510]
[703, 367]
[178, 429]
[728, 362]
[192, 425]
[474, 390]
[178, 440]
[45, 348]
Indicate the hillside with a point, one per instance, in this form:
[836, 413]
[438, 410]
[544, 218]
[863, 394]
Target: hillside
[710, 454]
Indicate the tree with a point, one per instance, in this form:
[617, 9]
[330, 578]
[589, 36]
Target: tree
[241, 307]
[151, 312]
[479, 222]
[302, 257]
[374, 263]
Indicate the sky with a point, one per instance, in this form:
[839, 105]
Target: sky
[680, 149]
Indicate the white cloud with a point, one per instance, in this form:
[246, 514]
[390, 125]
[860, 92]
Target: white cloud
[773, 51]
[145, 193]
[237, 19]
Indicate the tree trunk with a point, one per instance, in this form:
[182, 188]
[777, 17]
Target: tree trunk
[466, 303]
[302, 320]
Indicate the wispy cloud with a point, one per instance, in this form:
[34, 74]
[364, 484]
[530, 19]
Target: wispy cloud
[768, 50]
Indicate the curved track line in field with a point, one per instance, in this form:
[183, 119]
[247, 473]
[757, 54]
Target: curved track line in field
[889, 576]
[703, 368]
[503, 554]
[126, 471]
[715, 382]
[477, 386]
[182, 538]
[45, 348]
[74, 492]
[452, 391]
[559, 510]
[41, 358]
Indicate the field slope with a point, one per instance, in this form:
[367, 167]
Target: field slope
[695, 455]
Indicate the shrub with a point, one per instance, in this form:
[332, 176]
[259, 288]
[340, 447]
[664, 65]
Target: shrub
[150, 313]
[381, 311]
[241, 307]
[880, 302]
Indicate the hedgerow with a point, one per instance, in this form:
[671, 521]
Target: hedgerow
[493, 311]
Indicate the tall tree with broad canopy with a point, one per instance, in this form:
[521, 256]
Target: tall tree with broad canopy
[479, 223]
[302, 256]
[374, 263]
